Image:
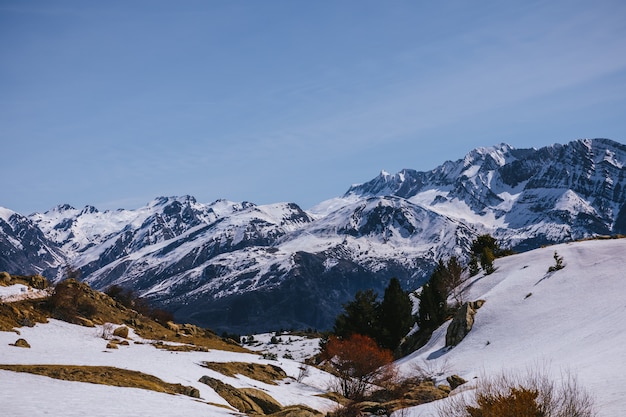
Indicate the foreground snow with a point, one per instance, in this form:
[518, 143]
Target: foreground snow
[569, 320]
[61, 343]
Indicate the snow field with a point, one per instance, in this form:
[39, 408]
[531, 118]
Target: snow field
[61, 343]
[572, 320]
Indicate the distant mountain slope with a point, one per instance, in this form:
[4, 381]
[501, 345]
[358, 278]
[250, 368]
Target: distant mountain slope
[243, 267]
[24, 247]
[524, 196]
[573, 319]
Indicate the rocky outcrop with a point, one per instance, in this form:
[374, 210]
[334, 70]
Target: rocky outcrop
[462, 322]
[121, 331]
[21, 343]
[247, 401]
[455, 381]
[268, 404]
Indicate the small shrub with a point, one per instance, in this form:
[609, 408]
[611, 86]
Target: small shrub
[160, 316]
[518, 402]
[430, 370]
[351, 409]
[121, 295]
[106, 332]
[303, 372]
[558, 263]
[532, 394]
[232, 336]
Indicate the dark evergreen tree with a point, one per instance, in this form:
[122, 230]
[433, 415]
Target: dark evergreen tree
[433, 308]
[486, 248]
[396, 316]
[486, 261]
[473, 266]
[360, 316]
[485, 241]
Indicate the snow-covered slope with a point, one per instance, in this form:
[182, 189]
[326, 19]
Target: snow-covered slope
[248, 268]
[66, 344]
[24, 246]
[572, 320]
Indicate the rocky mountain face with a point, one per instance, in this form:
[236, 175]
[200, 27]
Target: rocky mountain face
[243, 268]
[24, 247]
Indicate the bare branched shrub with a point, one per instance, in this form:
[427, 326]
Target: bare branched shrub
[430, 370]
[530, 394]
[303, 372]
[106, 332]
[351, 409]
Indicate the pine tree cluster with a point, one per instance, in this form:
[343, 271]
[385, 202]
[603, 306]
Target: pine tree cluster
[387, 322]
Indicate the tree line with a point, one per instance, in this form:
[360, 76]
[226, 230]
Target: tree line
[379, 328]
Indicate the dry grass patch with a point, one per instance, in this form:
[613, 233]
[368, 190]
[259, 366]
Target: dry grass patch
[201, 343]
[264, 373]
[21, 313]
[297, 411]
[180, 348]
[105, 375]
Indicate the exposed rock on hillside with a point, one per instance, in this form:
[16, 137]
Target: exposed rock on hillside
[21, 343]
[462, 322]
[240, 400]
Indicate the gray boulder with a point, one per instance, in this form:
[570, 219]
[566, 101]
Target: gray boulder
[462, 322]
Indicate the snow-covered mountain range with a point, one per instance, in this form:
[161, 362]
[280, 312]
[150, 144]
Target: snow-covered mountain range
[244, 267]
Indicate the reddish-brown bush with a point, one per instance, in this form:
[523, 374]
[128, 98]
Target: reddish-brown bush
[359, 362]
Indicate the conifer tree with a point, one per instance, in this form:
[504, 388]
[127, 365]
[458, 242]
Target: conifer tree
[486, 248]
[473, 266]
[360, 316]
[433, 307]
[486, 261]
[396, 316]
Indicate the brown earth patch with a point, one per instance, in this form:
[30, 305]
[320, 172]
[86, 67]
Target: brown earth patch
[105, 375]
[297, 411]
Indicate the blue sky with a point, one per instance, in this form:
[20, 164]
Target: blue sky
[114, 103]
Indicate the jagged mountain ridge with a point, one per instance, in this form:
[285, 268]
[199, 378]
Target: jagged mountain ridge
[555, 193]
[243, 267]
